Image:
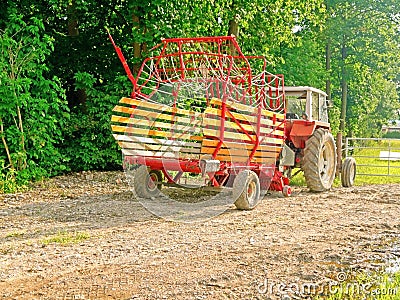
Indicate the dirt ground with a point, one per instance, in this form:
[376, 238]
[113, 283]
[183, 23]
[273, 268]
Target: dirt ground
[113, 248]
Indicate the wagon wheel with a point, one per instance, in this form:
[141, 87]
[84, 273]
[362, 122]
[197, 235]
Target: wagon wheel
[246, 190]
[145, 182]
[348, 174]
[319, 162]
[287, 191]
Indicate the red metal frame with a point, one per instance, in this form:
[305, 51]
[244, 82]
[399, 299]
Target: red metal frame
[123, 61]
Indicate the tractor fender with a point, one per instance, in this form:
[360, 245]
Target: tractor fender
[301, 131]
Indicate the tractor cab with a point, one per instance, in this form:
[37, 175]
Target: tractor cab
[306, 111]
[307, 103]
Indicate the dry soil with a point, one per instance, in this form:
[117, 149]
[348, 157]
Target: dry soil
[84, 236]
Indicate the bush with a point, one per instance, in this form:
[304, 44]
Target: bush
[88, 141]
[33, 108]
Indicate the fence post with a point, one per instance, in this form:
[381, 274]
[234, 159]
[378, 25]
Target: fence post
[389, 155]
[339, 146]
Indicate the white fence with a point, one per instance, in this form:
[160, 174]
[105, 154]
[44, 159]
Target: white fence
[374, 156]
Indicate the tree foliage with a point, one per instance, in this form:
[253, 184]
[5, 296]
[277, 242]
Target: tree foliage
[59, 82]
[364, 37]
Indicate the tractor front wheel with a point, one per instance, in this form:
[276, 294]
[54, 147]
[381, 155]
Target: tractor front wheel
[147, 183]
[319, 161]
[246, 190]
[348, 173]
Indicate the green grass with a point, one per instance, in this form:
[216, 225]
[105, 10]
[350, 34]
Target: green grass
[8, 183]
[298, 180]
[374, 286]
[66, 238]
[15, 234]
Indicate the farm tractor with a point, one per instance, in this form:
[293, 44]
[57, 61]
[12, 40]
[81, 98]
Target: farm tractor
[203, 115]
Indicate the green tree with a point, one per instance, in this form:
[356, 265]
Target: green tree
[32, 107]
[364, 59]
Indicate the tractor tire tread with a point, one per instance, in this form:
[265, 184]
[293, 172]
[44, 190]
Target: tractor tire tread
[348, 164]
[311, 158]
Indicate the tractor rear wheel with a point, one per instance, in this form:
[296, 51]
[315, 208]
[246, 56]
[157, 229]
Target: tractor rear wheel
[147, 183]
[319, 162]
[348, 173]
[246, 190]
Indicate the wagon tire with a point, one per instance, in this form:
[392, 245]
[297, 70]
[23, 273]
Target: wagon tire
[319, 161]
[287, 191]
[348, 173]
[144, 182]
[246, 190]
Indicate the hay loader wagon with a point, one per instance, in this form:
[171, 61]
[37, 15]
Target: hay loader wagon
[202, 114]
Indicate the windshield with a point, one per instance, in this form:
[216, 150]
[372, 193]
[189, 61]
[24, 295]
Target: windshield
[295, 107]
